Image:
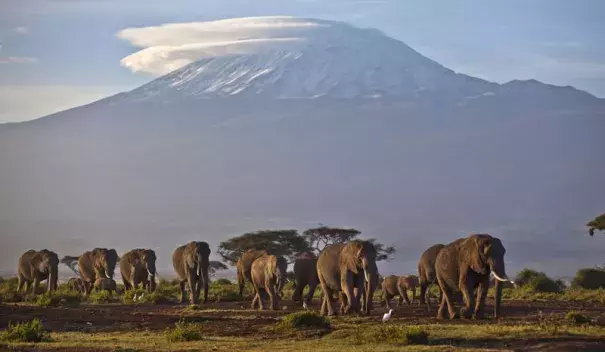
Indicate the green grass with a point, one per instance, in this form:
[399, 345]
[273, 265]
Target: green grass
[31, 331]
[184, 331]
[102, 297]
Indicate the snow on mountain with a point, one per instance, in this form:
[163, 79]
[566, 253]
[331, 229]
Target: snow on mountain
[294, 58]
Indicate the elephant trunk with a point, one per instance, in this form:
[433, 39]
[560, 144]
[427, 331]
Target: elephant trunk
[371, 276]
[498, 298]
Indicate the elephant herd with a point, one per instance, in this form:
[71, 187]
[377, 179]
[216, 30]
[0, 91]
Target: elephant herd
[344, 271]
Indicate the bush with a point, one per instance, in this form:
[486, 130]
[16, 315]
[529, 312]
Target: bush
[224, 293]
[31, 331]
[577, 318]
[184, 331]
[8, 291]
[57, 298]
[589, 278]
[536, 281]
[101, 297]
[404, 335]
[304, 320]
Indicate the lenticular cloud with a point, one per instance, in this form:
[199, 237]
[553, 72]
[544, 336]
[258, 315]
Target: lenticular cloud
[168, 47]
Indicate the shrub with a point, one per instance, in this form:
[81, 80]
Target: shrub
[222, 282]
[224, 293]
[404, 335]
[57, 298]
[8, 290]
[539, 282]
[304, 320]
[575, 317]
[101, 297]
[184, 331]
[31, 331]
[589, 278]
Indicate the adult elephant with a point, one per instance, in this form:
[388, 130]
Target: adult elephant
[191, 263]
[138, 267]
[342, 268]
[465, 266]
[95, 264]
[426, 271]
[244, 265]
[35, 266]
[394, 285]
[305, 274]
[268, 272]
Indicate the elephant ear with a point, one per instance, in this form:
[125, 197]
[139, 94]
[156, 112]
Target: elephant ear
[472, 250]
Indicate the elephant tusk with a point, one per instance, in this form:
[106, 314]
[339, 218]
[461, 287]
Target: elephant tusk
[367, 276]
[501, 279]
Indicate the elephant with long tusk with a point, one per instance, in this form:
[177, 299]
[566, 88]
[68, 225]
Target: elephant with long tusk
[465, 265]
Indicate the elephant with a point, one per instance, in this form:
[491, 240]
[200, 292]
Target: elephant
[105, 284]
[394, 285]
[98, 263]
[268, 272]
[305, 274]
[465, 266]
[191, 263]
[35, 266]
[138, 266]
[342, 268]
[244, 264]
[426, 272]
[76, 284]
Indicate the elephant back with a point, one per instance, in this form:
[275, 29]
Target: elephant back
[389, 284]
[244, 263]
[262, 268]
[328, 266]
[27, 263]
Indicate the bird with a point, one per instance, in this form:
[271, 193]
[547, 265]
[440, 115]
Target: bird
[387, 316]
[141, 297]
[134, 298]
[305, 305]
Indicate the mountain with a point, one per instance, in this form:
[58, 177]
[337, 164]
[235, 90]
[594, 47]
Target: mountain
[335, 125]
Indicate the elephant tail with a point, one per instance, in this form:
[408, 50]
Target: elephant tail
[72, 263]
[241, 282]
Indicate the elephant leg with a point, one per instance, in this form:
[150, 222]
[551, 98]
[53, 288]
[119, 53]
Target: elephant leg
[192, 285]
[423, 292]
[387, 299]
[311, 293]
[126, 284]
[481, 296]
[467, 288]
[21, 283]
[182, 285]
[327, 301]
[413, 294]
[273, 295]
[343, 302]
[447, 298]
[35, 285]
[403, 294]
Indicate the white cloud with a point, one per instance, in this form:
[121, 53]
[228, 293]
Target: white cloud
[17, 60]
[21, 30]
[171, 46]
[28, 102]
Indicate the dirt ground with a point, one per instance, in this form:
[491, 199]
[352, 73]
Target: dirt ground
[236, 319]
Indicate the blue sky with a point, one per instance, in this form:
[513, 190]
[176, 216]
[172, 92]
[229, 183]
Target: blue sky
[63, 53]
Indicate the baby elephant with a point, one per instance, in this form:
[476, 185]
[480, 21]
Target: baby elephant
[394, 285]
[77, 284]
[105, 284]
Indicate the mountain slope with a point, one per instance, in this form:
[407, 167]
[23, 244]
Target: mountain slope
[292, 136]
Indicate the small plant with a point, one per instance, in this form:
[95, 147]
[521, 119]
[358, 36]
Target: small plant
[31, 331]
[184, 331]
[575, 317]
[304, 320]
[101, 297]
[57, 298]
[393, 334]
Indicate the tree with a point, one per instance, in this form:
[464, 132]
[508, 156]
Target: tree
[287, 243]
[597, 224]
[214, 266]
[320, 237]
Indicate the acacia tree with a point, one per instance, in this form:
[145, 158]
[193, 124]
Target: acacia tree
[287, 243]
[214, 266]
[323, 236]
[597, 224]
